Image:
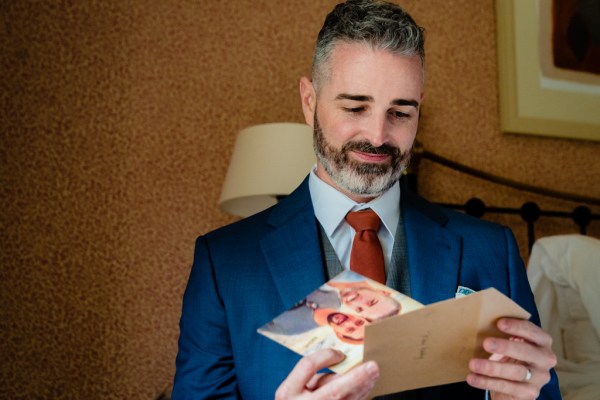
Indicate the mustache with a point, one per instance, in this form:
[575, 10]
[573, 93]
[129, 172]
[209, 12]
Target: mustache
[366, 147]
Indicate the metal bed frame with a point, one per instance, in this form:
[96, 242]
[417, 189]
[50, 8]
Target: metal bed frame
[530, 212]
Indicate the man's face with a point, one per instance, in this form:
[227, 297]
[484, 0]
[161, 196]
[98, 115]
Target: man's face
[371, 304]
[365, 118]
[347, 325]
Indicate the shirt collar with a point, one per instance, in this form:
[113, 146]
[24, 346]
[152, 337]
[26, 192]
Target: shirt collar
[331, 206]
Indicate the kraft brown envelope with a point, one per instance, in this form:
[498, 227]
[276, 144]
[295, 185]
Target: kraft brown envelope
[432, 346]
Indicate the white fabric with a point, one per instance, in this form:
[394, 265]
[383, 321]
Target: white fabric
[332, 206]
[564, 273]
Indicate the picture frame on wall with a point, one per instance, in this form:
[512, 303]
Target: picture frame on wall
[549, 68]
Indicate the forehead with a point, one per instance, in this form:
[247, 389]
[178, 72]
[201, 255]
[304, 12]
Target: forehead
[361, 69]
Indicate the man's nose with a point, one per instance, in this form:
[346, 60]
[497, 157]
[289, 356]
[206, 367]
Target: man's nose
[377, 130]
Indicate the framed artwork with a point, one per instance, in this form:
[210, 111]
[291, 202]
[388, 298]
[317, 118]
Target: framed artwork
[549, 67]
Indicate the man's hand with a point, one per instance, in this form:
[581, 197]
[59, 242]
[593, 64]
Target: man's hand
[519, 368]
[304, 382]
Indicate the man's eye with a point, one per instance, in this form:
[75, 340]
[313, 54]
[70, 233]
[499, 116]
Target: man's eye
[354, 109]
[399, 114]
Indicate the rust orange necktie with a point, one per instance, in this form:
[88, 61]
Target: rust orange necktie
[366, 256]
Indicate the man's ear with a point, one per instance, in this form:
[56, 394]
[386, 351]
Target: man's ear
[308, 97]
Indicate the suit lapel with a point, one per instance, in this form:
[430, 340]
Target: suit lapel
[292, 249]
[433, 250]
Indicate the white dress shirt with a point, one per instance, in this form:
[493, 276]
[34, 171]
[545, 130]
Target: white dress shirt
[331, 206]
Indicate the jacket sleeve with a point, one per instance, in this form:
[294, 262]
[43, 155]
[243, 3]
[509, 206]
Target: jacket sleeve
[204, 367]
[522, 295]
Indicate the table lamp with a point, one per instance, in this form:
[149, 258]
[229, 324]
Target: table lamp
[268, 161]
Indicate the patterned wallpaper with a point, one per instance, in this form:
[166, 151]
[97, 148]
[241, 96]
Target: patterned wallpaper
[117, 122]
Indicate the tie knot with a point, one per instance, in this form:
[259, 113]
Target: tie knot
[366, 220]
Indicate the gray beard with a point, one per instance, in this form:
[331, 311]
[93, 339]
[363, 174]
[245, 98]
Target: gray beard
[359, 179]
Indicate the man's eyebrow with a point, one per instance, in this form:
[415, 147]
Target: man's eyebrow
[355, 97]
[404, 102]
[360, 97]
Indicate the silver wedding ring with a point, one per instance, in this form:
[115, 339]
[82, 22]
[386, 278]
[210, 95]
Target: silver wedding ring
[527, 376]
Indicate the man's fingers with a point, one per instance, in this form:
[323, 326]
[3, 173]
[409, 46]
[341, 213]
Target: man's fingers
[518, 373]
[507, 379]
[305, 370]
[318, 380]
[305, 382]
[529, 344]
[508, 371]
[519, 369]
[519, 366]
[526, 330]
[521, 390]
[355, 384]
[520, 352]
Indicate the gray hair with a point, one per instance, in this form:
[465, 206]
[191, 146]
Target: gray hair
[378, 24]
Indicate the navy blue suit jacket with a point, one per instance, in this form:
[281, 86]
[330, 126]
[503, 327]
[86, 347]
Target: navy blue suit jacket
[246, 273]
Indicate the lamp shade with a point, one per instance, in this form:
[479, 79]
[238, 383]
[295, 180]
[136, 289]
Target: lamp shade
[268, 160]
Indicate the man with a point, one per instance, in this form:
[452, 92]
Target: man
[363, 103]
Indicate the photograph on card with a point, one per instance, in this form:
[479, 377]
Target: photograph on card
[335, 316]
